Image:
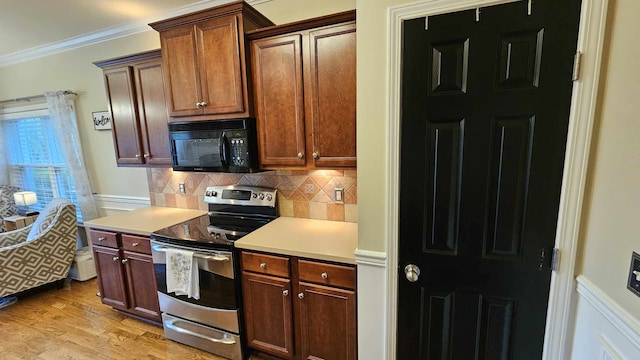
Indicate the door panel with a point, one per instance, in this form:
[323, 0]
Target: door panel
[110, 277]
[143, 294]
[219, 59]
[485, 109]
[181, 71]
[279, 99]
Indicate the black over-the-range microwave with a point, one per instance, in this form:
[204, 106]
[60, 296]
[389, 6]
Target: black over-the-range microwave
[214, 145]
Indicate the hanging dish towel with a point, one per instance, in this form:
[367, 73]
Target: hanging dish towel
[182, 273]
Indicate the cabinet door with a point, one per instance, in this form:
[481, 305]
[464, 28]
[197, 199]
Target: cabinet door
[220, 65]
[141, 285]
[279, 100]
[110, 277]
[327, 322]
[182, 80]
[123, 108]
[268, 313]
[330, 80]
[152, 110]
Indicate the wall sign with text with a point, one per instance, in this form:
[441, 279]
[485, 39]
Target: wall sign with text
[101, 120]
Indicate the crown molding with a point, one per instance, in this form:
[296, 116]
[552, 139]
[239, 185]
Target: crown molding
[110, 33]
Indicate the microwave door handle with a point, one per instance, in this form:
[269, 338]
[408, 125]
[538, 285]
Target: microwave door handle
[223, 149]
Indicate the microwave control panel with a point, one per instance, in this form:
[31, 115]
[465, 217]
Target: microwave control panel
[239, 151]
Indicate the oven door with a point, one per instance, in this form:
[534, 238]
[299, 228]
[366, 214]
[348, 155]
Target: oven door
[217, 305]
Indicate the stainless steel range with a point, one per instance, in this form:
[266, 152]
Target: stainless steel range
[213, 322]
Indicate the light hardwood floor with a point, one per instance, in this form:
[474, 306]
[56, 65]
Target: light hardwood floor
[72, 323]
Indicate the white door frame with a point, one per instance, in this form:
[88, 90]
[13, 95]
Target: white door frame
[559, 325]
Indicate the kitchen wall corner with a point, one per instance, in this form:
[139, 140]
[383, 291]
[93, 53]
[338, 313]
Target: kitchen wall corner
[301, 193]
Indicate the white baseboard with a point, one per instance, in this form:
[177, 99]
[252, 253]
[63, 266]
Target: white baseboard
[372, 295]
[604, 330]
[114, 204]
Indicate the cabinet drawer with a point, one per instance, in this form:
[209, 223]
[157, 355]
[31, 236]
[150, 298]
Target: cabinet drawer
[104, 238]
[265, 264]
[135, 243]
[327, 274]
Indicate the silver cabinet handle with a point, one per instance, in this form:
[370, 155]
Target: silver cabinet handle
[124, 261]
[101, 239]
[324, 275]
[199, 104]
[315, 155]
[135, 244]
[146, 156]
[226, 339]
[115, 258]
[301, 296]
[285, 292]
[412, 272]
[263, 266]
[98, 294]
[300, 155]
[203, 104]
[138, 156]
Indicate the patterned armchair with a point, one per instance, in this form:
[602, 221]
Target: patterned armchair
[7, 204]
[40, 253]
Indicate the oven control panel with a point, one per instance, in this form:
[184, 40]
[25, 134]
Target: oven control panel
[241, 195]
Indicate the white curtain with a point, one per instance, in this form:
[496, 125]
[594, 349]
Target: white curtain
[66, 130]
[4, 170]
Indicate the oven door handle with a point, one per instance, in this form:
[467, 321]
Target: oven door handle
[171, 324]
[216, 257]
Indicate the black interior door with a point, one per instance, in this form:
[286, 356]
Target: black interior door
[485, 110]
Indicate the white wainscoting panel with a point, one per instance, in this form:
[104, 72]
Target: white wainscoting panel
[604, 331]
[372, 296]
[113, 204]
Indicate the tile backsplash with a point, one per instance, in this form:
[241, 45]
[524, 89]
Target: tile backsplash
[301, 193]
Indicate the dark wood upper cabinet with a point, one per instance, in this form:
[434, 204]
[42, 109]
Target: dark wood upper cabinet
[204, 57]
[136, 102]
[304, 82]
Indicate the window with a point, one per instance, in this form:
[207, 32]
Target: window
[35, 162]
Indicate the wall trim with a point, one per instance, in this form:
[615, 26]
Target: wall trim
[108, 34]
[559, 326]
[622, 320]
[371, 258]
[133, 200]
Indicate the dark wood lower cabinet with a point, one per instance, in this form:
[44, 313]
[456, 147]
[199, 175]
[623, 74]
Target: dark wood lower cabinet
[126, 277]
[268, 313]
[327, 322]
[304, 311]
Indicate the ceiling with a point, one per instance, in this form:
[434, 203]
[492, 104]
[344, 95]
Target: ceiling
[31, 27]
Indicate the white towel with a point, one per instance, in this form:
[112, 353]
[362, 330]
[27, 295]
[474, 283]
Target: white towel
[182, 273]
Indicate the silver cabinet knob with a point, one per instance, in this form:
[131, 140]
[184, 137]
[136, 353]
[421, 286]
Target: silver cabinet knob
[412, 272]
[138, 156]
[124, 261]
[315, 155]
[199, 104]
[263, 266]
[135, 244]
[146, 156]
[101, 239]
[301, 296]
[285, 292]
[98, 294]
[204, 104]
[115, 258]
[300, 155]
[324, 275]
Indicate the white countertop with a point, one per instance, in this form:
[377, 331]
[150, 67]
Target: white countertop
[144, 221]
[306, 238]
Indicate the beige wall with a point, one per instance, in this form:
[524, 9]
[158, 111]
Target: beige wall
[611, 225]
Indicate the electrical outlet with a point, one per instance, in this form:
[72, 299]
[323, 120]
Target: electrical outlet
[338, 195]
[181, 188]
[634, 274]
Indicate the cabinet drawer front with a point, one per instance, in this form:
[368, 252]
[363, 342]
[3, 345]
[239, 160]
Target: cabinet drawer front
[327, 274]
[265, 264]
[135, 243]
[104, 238]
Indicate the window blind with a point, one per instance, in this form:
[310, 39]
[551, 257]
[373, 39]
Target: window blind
[35, 161]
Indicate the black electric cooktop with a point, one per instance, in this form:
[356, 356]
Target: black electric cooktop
[207, 232]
